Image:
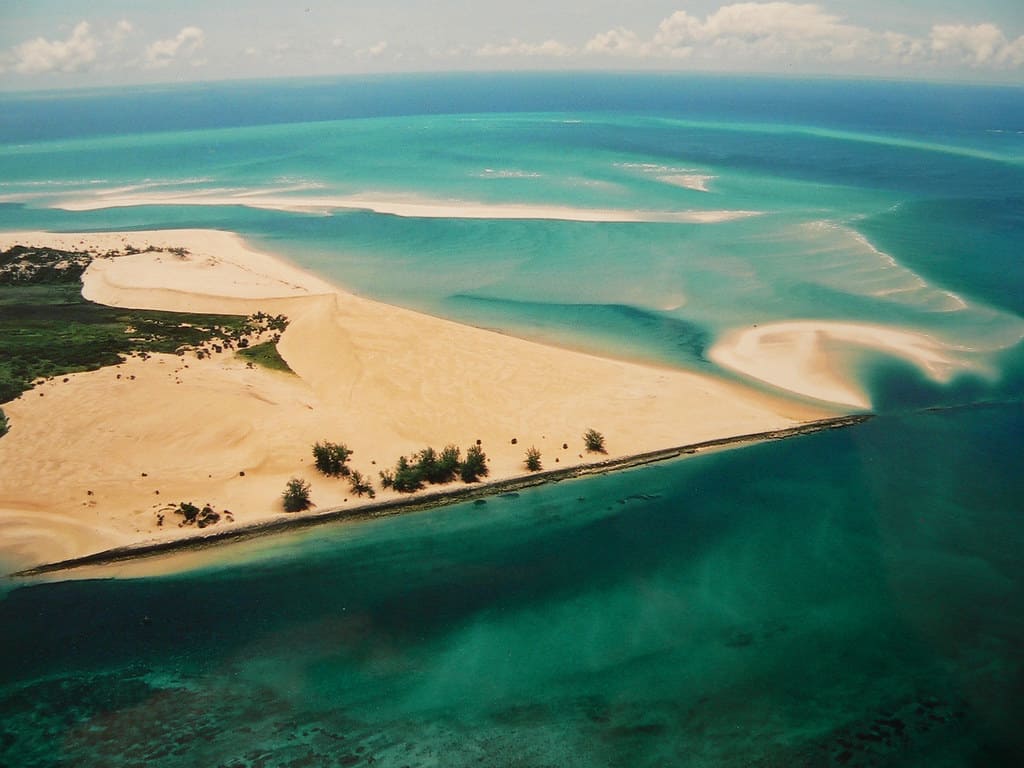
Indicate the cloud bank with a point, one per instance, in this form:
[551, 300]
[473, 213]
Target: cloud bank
[785, 33]
[769, 36]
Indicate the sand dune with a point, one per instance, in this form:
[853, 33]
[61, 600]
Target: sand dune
[90, 462]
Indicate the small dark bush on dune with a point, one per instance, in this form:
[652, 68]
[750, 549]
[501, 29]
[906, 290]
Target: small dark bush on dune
[296, 496]
[594, 441]
[330, 458]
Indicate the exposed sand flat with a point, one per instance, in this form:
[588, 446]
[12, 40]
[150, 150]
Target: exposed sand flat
[104, 451]
[799, 356]
[698, 182]
[411, 208]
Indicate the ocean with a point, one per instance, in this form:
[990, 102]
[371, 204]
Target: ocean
[851, 598]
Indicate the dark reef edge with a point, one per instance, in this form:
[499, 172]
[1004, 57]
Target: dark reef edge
[425, 501]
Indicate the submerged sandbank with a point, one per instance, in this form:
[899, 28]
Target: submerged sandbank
[408, 207]
[90, 462]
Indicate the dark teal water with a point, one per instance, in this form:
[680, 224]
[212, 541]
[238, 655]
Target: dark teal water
[839, 599]
[845, 599]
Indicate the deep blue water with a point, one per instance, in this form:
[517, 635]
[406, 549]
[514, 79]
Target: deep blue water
[852, 598]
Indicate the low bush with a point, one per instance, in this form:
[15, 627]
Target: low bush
[296, 496]
[594, 441]
[330, 458]
[533, 460]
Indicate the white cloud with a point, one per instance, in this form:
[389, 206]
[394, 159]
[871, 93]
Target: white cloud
[75, 54]
[184, 44]
[979, 45]
[615, 42]
[785, 32]
[516, 47]
[122, 29]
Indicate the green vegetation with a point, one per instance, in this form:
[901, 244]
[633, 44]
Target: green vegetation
[360, 486]
[330, 459]
[594, 441]
[412, 473]
[47, 329]
[296, 496]
[195, 516]
[439, 469]
[475, 465]
[265, 355]
[533, 460]
[50, 330]
[5, 425]
[25, 265]
[407, 477]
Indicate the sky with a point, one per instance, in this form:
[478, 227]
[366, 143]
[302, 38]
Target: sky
[48, 44]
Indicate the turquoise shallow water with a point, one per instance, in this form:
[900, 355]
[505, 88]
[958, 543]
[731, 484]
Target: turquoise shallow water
[852, 598]
[732, 609]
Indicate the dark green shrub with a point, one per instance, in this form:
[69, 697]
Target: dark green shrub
[533, 460]
[296, 495]
[437, 469]
[330, 458]
[426, 463]
[360, 486]
[594, 441]
[408, 477]
[448, 463]
[5, 425]
[187, 510]
[475, 465]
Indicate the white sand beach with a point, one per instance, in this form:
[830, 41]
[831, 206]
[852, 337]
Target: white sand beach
[92, 458]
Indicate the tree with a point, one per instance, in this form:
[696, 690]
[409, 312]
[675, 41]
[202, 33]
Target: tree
[407, 477]
[533, 460]
[475, 465]
[296, 495]
[594, 441]
[426, 463]
[5, 425]
[330, 458]
[358, 485]
[448, 464]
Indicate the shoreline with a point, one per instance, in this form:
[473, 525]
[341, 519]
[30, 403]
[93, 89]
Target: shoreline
[420, 502]
[94, 461]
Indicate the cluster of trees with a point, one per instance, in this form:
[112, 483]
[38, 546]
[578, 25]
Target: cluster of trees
[411, 473]
[428, 466]
[25, 265]
[330, 460]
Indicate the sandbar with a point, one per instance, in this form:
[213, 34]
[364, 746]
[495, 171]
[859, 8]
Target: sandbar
[801, 356]
[408, 207]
